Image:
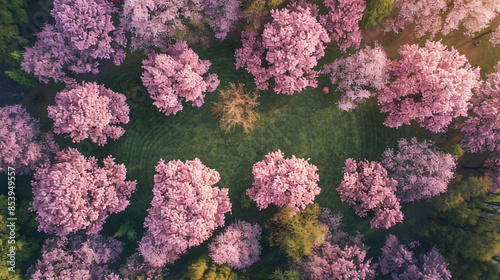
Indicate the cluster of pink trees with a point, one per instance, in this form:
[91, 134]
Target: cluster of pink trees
[430, 85]
[90, 111]
[238, 246]
[426, 15]
[482, 127]
[342, 22]
[400, 261]
[76, 194]
[153, 22]
[493, 165]
[22, 145]
[356, 75]
[283, 181]
[367, 186]
[78, 257]
[444, 16]
[83, 33]
[176, 76]
[184, 212]
[340, 256]
[287, 51]
[421, 170]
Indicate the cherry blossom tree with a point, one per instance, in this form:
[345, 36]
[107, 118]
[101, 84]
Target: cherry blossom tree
[427, 15]
[153, 22]
[400, 261]
[330, 261]
[367, 186]
[22, 145]
[177, 76]
[342, 21]
[221, 15]
[184, 212]
[76, 194]
[474, 15]
[421, 170]
[90, 111]
[493, 166]
[482, 128]
[283, 181]
[495, 36]
[286, 52]
[357, 74]
[83, 33]
[78, 257]
[340, 256]
[238, 245]
[430, 85]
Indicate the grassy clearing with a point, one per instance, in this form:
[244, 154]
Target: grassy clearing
[307, 124]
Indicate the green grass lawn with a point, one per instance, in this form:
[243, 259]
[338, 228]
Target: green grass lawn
[307, 124]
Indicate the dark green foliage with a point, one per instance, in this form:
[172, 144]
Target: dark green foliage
[125, 228]
[204, 269]
[376, 11]
[17, 74]
[454, 150]
[296, 235]
[24, 244]
[467, 236]
[12, 16]
[278, 274]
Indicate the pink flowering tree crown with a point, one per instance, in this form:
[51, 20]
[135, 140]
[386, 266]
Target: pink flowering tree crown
[474, 16]
[78, 257]
[184, 212]
[221, 15]
[430, 85]
[90, 111]
[238, 246]
[340, 256]
[342, 22]
[421, 170]
[482, 127]
[83, 33]
[283, 181]
[493, 166]
[177, 76]
[401, 262]
[287, 51]
[76, 194]
[425, 15]
[358, 75]
[367, 186]
[22, 145]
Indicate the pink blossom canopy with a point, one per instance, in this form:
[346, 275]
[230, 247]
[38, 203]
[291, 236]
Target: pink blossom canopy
[366, 185]
[283, 181]
[290, 46]
[89, 111]
[184, 212]
[76, 194]
[238, 245]
[430, 85]
[177, 76]
[22, 145]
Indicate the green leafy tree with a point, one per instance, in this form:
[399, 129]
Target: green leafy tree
[17, 74]
[454, 150]
[12, 16]
[24, 244]
[464, 230]
[279, 274]
[376, 11]
[296, 235]
[204, 269]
